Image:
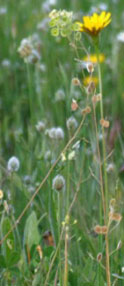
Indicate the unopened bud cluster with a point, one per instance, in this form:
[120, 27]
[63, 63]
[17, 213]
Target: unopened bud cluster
[61, 23]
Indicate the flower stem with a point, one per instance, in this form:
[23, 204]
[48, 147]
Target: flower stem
[104, 170]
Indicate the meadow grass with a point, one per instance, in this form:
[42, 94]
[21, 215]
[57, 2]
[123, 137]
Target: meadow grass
[61, 149]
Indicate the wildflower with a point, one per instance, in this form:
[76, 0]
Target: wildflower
[13, 164]
[110, 168]
[120, 37]
[1, 194]
[61, 23]
[115, 216]
[71, 155]
[99, 257]
[25, 48]
[95, 23]
[58, 183]
[28, 51]
[86, 110]
[101, 229]
[88, 79]
[40, 126]
[27, 179]
[91, 87]
[92, 58]
[76, 81]
[59, 133]
[60, 95]
[96, 98]
[48, 155]
[55, 133]
[104, 123]
[90, 67]
[48, 238]
[71, 123]
[74, 105]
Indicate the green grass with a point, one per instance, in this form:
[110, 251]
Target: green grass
[27, 95]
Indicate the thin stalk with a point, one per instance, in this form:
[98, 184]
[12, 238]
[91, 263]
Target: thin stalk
[102, 202]
[104, 170]
[59, 235]
[30, 92]
[66, 258]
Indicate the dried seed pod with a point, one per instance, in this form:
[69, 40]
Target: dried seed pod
[96, 98]
[75, 81]
[104, 123]
[90, 67]
[74, 105]
[101, 229]
[99, 257]
[115, 216]
[86, 110]
[91, 87]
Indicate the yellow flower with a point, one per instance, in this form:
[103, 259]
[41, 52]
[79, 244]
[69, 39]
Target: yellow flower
[95, 23]
[1, 194]
[87, 80]
[93, 58]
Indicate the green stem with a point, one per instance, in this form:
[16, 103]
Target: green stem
[104, 168]
[30, 92]
[59, 234]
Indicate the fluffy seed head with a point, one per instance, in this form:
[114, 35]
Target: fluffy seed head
[71, 123]
[13, 164]
[58, 183]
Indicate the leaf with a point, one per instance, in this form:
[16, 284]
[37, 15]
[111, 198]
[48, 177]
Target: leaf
[14, 258]
[31, 234]
[8, 245]
[2, 262]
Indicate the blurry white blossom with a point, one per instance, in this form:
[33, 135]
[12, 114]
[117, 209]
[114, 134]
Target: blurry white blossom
[13, 164]
[59, 95]
[55, 133]
[40, 126]
[120, 37]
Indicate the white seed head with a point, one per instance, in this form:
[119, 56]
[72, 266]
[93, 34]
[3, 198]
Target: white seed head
[13, 164]
[58, 183]
[71, 123]
[40, 126]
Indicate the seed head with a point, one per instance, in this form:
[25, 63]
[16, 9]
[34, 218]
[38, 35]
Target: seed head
[74, 105]
[59, 95]
[101, 229]
[58, 183]
[59, 133]
[99, 257]
[76, 81]
[104, 123]
[40, 126]
[13, 164]
[71, 123]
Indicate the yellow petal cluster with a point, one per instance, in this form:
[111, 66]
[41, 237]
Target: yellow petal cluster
[93, 58]
[87, 80]
[95, 23]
